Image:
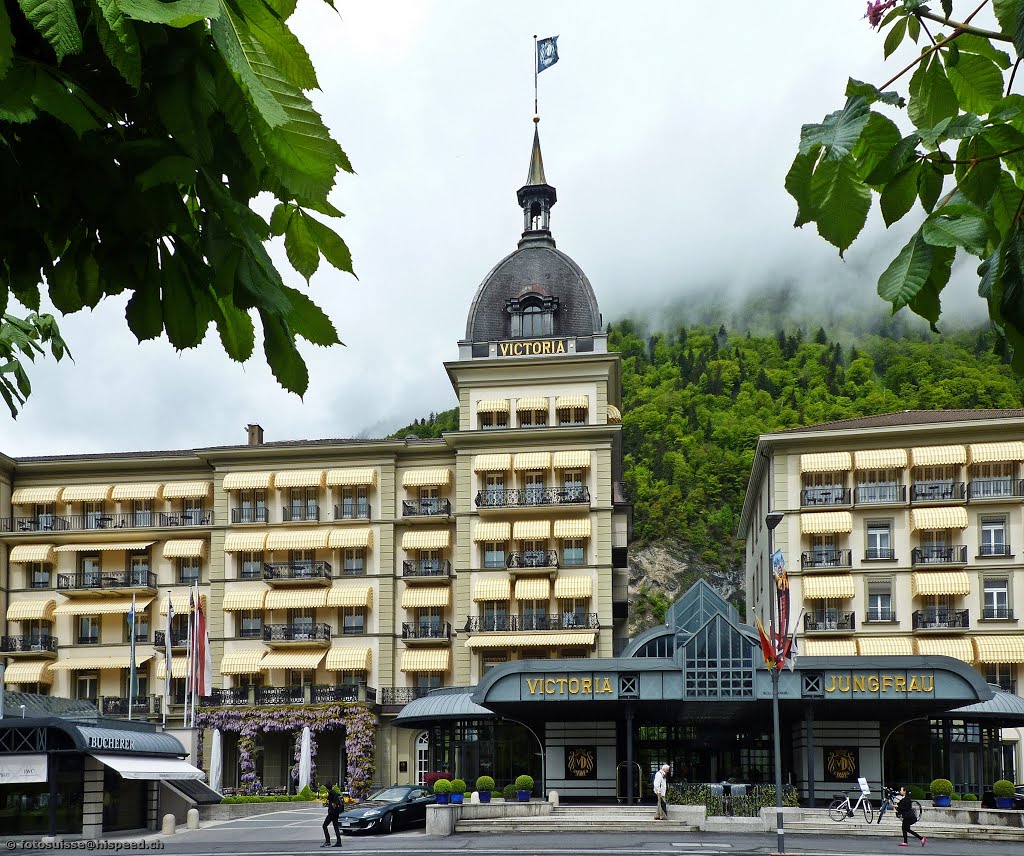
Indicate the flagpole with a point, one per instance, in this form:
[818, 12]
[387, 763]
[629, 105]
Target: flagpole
[195, 680]
[535, 110]
[131, 665]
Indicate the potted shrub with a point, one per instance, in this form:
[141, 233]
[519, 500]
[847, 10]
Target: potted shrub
[524, 788]
[508, 793]
[1003, 792]
[916, 792]
[942, 790]
[442, 788]
[458, 790]
[484, 786]
[969, 797]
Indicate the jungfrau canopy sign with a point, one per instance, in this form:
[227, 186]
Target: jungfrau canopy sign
[878, 684]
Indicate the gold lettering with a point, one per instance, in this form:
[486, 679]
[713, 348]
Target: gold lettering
[858, 684]
[873, 683]
[561, 684]
[900, 683]
[560, 347]
[915, 685]
[546, 348]
[886, 683]
[586, 685]
[519, 349]
[533, 684]
[549, 686]
[606, 685]
[831, 688]
[928, 683]
[574, 686]
[844, 683]
[503, 349]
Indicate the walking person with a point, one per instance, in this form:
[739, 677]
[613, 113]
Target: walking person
[905, 810]
[334, 806]
[660, 789]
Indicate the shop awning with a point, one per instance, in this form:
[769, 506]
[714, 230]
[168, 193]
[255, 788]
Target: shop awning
[245, 542]
[828, 647]
[532, 402]
[300, 478]
[298, 539]
[531, 640]
[103, 547]
[948, 517]
[987, 453]
[532, 461]
[22, 553]
[28, 672]
[426, 597]
[136, 491]
[578, 459]
[493, 588]
[185, 548]
[350, 595]
[426, 539]
[928, 583]
[533, 588]
[348, 659]
[826, 462]
[885, 646]
[352, 477]
[147, 768]
[614, 415]
[303, 598]
[350, 538]
[959, 648]
[826, 523]
[87, 493]
[827, 587]
[938, 456]
[492, 531]
[573, 528]
[880, 459]
[298, 659]
[102, 606]
[180, 603]
[240, 599]
[84, 664]
[188, 490]
[500, 463]
[426, 660]
[492, 405]
[34, 495]
[563, 402]
[242, 662]
[427, 477]
[249, 481]
[1002, 648]
[531, 530]
[179, 667]
[577, 587]
[31, 610]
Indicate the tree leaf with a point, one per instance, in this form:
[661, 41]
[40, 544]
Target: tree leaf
[16, 94]
[907, 273]
[898, 195]
[841, 201]
[977, 171]
[989, 272]
[90, 286]
[309, 321]
[55, 21]
[56, 98]
[6, 51]
[977, 82]
[894, 160]
[177, 302]
[118, 39]
[1010, 14]
[964, 125]
[969, 231]
[873, 93]
[798, 185]
[913, 28]
[970, 43]
[282, 213]
[284, 50]
[283, 357]
[929, 185]
[181, 13]
[1006, 200]
[63, 282]
[300, 246]
[895, 36]
[931, 95]
[237, 332]
[333, 248]
[143, 313]
[839, 131]
[174, 169]
[877, 139]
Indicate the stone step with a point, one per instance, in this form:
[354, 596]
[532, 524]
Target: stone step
[944, 831]
[551, 824]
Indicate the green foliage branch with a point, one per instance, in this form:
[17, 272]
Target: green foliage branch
[134, 135]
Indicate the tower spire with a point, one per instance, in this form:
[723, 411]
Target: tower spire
[536, 173]
[536, 197]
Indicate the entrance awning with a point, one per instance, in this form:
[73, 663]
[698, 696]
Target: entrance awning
[22, 769]
[136, 767]
[441, 706]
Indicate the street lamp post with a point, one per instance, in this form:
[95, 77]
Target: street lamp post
[773, 519]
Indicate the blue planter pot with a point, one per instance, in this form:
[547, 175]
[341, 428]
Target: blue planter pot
[524, 796]
[1004, 802]
[942, 802]
[457, 799]
[442, 799]
[485, 796]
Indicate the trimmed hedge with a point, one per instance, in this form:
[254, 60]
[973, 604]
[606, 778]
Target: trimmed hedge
[970, 797]
[257, 799]
[509, 792]
[524, 783]
[1003, 788]
[442, 786]
[941, 788]
[485, 783]
[458, 786]
[915, 792]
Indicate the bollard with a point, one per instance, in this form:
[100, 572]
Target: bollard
[553, 798]
[168, 825]
[192, 819]
[474, 798]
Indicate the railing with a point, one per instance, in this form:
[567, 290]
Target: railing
[426, 568]
[295, 513]
[392, 697]
[89, 639]
[426, 630]
[179, 638]
[829, 621]
[939, 554]
[107, 580]
[249, 515]
[515, 497]
[296, 632]
[103, 520]
[280, 695]
[998, 613]
[880, 615]
[941, 617]
[880, 554]
[322, 694]
[296, 570]
[193, 517]
[870, 494]
[308, 694]
[359, 511]
[994, 488]
[826, 559]
[226, 697]
[533, 559]
[553, 621]
[1007, 686]
[990, 550]
[825, 496]
[113, 706]
[27, 644]
[937, 491]
[426, 507]
[250, 633]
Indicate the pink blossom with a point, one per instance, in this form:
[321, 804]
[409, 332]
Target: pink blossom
[876, 11]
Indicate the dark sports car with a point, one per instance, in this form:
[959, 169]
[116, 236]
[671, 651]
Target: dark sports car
[392, 808]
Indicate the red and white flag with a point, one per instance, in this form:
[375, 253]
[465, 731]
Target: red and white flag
[202, 677]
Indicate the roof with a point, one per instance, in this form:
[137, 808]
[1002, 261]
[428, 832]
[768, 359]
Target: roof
[1004, 706]
[907, 417]
[44, 705]
[450, 703]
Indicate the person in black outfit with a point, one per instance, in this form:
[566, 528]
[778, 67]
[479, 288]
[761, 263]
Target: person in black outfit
[333, 811]
[905, 810]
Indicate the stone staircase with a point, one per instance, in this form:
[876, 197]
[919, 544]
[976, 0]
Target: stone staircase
[588, 818]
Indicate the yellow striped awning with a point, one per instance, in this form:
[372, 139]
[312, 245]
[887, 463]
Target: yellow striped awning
[352, 477]
[829, 647]
[885, 646]
[573, 528]
[938, 456]
[426, 539]
[424, 598]
[532, 402]
[106, 606]
[491, 531]
[185, 548]
[348, 659]
[826, 462]
[533, 588]
[986, 453]
[239, 599]
[531, 530]
[492, 405]
[298, 539]
[179, 667]
[23, 553]
[827, 587]
[500, 463]
[531, 640]
[532, 461]
[492, 588]
[300, 478]
[180, 603]
[880, 459]
[929, 583]
[299, 659]
[245, 542]
[826, 523]
[614, 415]
[33, 495]
[249, 481]
[567, 401]
[87, 493]
[31, 610]
[136, 490]
[350, 595]
[81, 664]
[1003, 648]
[947, 517]
[956, 647]
[350, 538]
[304, 598]
[578, 587]
[426, 660]
[574, 460]
[29, 672]
[188, 490]
[427, 477]
[245, 661]
[103, 547]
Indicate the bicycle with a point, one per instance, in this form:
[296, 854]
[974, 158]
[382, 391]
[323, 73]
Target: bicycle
[840, 808]
[889, 799]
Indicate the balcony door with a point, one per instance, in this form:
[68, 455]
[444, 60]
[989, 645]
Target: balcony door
[494, 615]
[430, 500]
[138, 568]
[824, 549]
[993, 536]
[142, 512]
[992, 480]
[935, 546]
[534, 484]
[880, 600]
[428, 623]
[301, 622]
[997, 597]
[87, 688]
[89, 568]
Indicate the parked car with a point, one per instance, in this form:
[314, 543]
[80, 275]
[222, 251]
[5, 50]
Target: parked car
[1018, 797]
[389, 809]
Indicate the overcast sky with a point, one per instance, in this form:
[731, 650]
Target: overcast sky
[667, 128]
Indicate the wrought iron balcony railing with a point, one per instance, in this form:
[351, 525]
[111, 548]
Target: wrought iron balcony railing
[308, 694]
[998, 613]
[880, 615]
[296, 632]
[392, 697]
[998, 488]
[939, 554]
[298, 513]
[192, 517]
[941, 618]
[877, 494]
[104, 520]
[426, 630]
[85, 580]
[323, 694]
[249, 515]
[28, 644]
[988, 551]
[880, 554]
[296, 570]
[552, 621]
[533, 559]
[141, 706]
[356, 511]
[816, 496]
[531, 496]
[227, 697]
[829, 621]
[280, 695]
[179, 638]
[426, 568]
[937, 491]
[826, 559]
[432, 507]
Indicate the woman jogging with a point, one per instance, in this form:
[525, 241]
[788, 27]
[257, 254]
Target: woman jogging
[905, 810]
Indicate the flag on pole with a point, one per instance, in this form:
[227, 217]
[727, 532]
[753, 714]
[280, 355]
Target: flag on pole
[547, 53]
[767, 647]
[133, 670]
[204, 664]
[167, 657]
[190, 664]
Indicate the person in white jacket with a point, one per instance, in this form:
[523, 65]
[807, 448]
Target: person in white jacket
[660, 789]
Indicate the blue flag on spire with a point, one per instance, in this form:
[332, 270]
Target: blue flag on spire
[547, 53]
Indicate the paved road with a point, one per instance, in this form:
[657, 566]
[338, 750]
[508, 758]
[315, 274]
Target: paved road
[297, 831]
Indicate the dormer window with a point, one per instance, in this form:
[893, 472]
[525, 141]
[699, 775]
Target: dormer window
[533, 316]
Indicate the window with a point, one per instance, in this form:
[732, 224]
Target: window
[89, 571]
[250, 565]
[250, 624]
[301, 562]
[188, 571]
[303, 678]
[997, 597]
[935, 483]
[993, 536]
[43, 513]
[177, 691]
[534, 554]
[533, 315]
[141, 685]
[302, 504]
[354, 562]
[430, 502]
[574, 611]
[192, 512]
[880, 600]
[823, 488]
[87, 687]
[494, 555]
[572, 484]
[878, 486]
[252, 506]
[490, 421]
[429, 623]
[38, 575]
[572, 416]
[533, 418]
[429, 562]
[39, 633]
[141, 626]
[353, 620]
[494, 489]
[422, 757]
[350, 678]
[301, 623]
[429, 680]
[533, 615]
[355, 504]
[138, 568]
[142, 512]
[574, 552]
[534, 485]
[1000, 675]
[89, 630]
[825, 550]
[92, 514]
[879, 541]
[991, 480]
[490, 661]
[494, 615]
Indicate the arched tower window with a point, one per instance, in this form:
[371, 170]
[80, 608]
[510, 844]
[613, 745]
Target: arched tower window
[532, 316]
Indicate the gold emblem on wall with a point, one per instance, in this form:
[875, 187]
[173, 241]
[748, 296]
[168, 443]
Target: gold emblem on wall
[580, 762]
[841, 764]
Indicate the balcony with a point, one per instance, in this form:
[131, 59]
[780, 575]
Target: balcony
[990, 551]
[880, 554]
[834, 621]
[249, 515]
[532, 497]
[939, 554]
[292, 573]
[192, 517]
[881, 494]
[426, 569]
[553, 621]
[144, 706]
[179, 638]
[34, 645]
[826, 559]
[1000, 488]
[107, 582]
[358, 511]
[937, 491]
[95, 521]
[941, 618]
[300, 514]
[285, 635]
[426, 631]
[881, 615]
[270, 696]
[824, 496]
[532, 559]
[426, 508]
[997, 613]
[393, 699]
